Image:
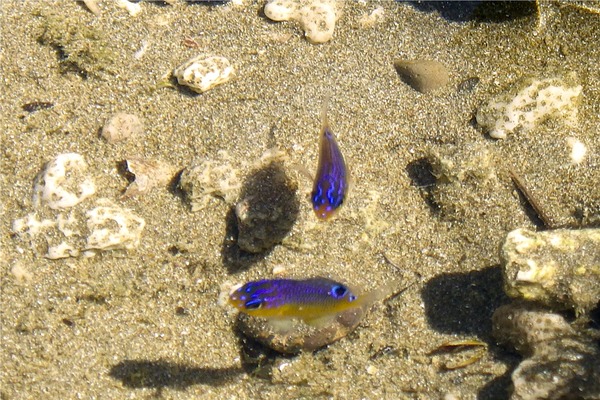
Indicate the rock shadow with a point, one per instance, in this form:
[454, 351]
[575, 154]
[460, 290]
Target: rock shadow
[463, 303]
[419, 172]
[480, 10]
[257, 359]
[207, 2]
[140, 374]
[499, 388]
[262, 218]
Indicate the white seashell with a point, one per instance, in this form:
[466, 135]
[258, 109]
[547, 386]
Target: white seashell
[203, 72]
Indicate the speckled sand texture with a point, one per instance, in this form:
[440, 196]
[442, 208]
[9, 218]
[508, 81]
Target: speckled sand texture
[146, 322]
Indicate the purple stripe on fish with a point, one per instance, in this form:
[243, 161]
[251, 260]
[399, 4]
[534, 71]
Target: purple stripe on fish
[279, 292]
[331, 182]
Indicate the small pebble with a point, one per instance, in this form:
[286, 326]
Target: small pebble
[147, 174]
[122, 126]
[203, 72]
[422, 75]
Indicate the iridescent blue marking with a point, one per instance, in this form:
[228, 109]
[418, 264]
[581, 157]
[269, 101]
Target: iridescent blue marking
[289, 298]
[331, 181]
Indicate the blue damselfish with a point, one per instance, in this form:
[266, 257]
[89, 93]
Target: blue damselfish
[306, 299]
[331, 182]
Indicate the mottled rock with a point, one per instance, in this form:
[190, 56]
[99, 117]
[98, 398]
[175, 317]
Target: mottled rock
[529, 102]
[204, 72]
[422, 75]
[465, 175]
[215, 178]
[299, 336]
[122, 126]
[558, 268]
[561, 363]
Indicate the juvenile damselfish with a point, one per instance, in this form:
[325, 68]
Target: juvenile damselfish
[309, 300]
[331, 182]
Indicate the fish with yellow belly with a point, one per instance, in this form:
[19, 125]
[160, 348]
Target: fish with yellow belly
[314, 301]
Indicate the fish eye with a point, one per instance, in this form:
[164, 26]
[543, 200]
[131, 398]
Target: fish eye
[253, 304]
[339, 291]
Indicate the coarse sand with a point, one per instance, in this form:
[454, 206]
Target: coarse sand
[146, 322]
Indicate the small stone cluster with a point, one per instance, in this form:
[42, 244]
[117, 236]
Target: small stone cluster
[546, 272]
[60, 225]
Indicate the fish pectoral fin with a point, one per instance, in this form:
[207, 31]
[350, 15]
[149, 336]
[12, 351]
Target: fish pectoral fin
[320, 321]
[282, 326]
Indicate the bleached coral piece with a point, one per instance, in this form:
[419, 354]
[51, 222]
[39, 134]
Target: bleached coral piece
[32, 226]
[112, 228]
[558, 268]
[58, 238]
[63, 182]
[203, 72]
[317, 18]
[132, 8]
[529, 102]
[62, 250]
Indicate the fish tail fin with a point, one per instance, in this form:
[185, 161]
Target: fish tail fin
[384, 293]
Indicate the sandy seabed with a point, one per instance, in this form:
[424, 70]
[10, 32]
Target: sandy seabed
[146, 322]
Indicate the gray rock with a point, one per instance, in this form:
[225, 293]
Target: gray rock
[561, 362]
[422, 75]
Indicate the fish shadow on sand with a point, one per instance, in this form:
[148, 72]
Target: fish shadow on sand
[262, 218]
[146, 374]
